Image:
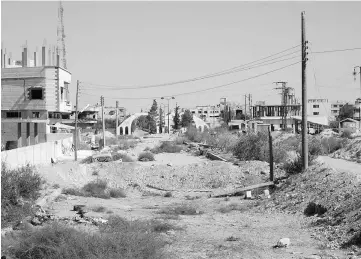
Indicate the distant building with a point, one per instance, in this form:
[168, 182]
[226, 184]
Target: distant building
[34, 98]
[335, 108]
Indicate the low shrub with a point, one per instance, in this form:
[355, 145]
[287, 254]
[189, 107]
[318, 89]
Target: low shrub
[332, 144]
[97, 188]
[84, 146]
[346, 133]
[167, 147]
[19, 189]
[117, 193]
[251, 147]
[117, 239]
[180, 140]
[294, 166]
[123, 157]
[146, 156]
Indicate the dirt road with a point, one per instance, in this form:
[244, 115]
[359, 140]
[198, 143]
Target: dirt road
[342, 165]
[216, 232]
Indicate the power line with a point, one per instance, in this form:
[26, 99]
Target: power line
[93, 89]
[207, 89]
[336, 50]
[201, 77]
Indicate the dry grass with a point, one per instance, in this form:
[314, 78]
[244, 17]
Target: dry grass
[181, 209]
[117, 239]
[99, 209]
[231, 207]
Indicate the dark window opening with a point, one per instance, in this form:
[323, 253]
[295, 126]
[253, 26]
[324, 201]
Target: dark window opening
[62, 93]
[316, 113]
[36, 94]
[36, 114]
[111, 112]
[27, 129]
[35, 129]
[13, 115]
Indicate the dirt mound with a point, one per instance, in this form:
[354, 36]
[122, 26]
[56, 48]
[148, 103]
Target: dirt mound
[351, 152]
[333, 197]
[206, 175]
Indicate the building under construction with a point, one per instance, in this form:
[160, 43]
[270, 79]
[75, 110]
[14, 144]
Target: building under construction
[35, 96]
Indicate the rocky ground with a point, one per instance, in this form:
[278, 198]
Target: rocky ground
[221, 227]
[351, 152]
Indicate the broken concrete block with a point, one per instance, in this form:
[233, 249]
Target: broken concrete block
[266, 194]
[35, 222]
[283, 242]
[169, 164]
[248, 194]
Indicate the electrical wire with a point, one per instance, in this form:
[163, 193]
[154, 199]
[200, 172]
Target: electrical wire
[120, 89]
[336, 50]
[207, 89]
[227, 71]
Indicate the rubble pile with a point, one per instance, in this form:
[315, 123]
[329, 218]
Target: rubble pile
[334, 196]
[351, 152]
[41, 217]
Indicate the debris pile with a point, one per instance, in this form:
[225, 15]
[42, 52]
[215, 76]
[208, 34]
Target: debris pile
[351, 152]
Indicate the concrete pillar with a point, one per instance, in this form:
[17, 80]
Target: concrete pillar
[35, 59]
[43, 56]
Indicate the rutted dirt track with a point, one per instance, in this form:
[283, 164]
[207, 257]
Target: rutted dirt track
[203, 235]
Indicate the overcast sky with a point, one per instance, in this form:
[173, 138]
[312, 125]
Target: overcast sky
[145, 43]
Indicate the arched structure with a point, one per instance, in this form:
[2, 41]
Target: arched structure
[126, 126]
[200, 124]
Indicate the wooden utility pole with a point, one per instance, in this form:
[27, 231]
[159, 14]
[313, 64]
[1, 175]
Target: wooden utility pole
[249, 106]
[245, 106]
[270, 154]
[304, 94]
[102, 103]
[76, 122]
[116, 117]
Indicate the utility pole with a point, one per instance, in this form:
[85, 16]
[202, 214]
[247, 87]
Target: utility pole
[304, 94]
[116, 118]
[76, 122]
[103, 121]
[249, 106]
[245, 106]
[284, 93]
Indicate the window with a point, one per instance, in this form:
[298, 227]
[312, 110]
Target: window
[13, 115]
[199, 111]
[334, 105]
[316, 113]
[36, 94]
[316, 106]
[111, 112]
[193, 112]
[205, 112]
[62, 93]
[334, 111]
[36, 114]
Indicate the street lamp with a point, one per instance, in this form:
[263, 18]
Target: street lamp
[163, 98]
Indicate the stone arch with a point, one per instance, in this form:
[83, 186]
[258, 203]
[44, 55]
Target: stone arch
[127, 123]
[127, 130]
[121, 132]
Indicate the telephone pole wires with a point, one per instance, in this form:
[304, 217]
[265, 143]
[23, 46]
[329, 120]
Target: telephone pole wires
[76, 122]
[304, 93]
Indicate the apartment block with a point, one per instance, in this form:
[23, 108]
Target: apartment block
[35, 96]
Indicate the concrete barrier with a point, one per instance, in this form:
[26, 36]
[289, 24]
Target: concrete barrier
[36, 154]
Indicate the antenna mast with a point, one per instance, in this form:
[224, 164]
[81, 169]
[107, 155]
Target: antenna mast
[61, 36]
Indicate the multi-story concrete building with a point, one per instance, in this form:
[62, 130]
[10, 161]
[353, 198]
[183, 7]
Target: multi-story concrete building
[33, 99]
[335, 107]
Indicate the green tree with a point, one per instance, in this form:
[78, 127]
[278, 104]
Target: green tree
[161, 120]
[176, 118]
[187, 118]
[153, 117]
[142, 122]
[346, 111]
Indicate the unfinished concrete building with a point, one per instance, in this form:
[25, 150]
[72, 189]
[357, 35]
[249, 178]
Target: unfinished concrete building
[35, 97]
